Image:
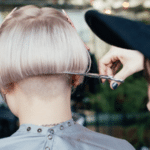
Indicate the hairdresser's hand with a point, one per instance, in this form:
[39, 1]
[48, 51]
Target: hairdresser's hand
[132, 61]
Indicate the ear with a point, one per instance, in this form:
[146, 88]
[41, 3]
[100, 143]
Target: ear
[75, 80]
[9, 89]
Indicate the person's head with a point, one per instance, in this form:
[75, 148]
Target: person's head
[147, 76]
[35, 43]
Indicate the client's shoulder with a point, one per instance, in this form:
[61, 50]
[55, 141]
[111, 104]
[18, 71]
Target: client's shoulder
[7, 143]
[15, 141]
[101, 140]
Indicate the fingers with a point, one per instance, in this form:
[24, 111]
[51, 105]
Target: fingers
[132, 62]
[122, 75]
[102, 71]
[109, 65]
[116, 66]
[109, 72]
[104, 65]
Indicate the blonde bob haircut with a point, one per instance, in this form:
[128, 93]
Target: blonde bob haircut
[39, 41]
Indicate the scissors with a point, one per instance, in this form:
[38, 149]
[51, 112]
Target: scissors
[95, 75]
[91, 75]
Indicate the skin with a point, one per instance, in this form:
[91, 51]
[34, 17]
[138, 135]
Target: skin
[40, 100]
[132, 61]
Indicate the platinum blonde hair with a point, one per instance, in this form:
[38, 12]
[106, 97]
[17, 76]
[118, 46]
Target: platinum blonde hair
[39, 41]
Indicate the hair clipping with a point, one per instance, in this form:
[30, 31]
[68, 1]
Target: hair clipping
[69, 20]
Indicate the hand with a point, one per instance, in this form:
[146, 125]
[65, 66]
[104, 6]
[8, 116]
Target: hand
[132, 61]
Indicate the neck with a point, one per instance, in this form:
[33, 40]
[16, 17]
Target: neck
[36, 104]
[45, 112]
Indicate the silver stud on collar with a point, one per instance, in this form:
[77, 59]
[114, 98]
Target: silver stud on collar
[61, 127]
[50, 137]
[29, 128]
[39, 130]
[47, 148]
[51, 131]
[69, 124]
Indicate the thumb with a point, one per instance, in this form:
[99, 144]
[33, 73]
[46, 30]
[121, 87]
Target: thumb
[121, 75]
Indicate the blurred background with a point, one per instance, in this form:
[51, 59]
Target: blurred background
[120, 113]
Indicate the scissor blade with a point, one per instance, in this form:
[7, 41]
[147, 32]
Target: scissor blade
[95, 75]
[92, 75]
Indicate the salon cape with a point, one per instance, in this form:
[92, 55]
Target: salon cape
[68, 135]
